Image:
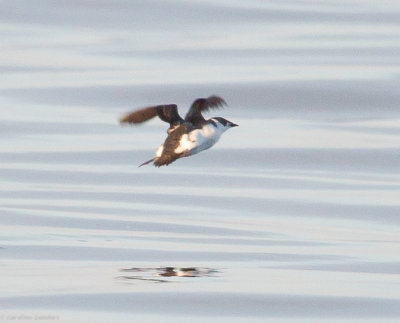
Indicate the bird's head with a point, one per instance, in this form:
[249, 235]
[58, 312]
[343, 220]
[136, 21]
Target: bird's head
[223, 124]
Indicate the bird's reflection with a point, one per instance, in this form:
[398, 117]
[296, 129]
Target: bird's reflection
[150, 274]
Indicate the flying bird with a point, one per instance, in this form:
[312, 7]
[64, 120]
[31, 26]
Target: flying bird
[186, 137]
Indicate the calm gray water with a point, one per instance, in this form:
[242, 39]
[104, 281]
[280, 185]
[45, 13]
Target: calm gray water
[292, 216]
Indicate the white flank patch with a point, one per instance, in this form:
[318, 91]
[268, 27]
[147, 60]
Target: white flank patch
[185, 144]
[159, 151]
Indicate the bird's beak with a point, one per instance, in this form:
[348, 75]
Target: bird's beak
[234, 124]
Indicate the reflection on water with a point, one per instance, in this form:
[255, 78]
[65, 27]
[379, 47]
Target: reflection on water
[149, 274]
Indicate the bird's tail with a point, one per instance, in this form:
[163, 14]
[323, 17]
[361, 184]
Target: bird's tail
[146, 162]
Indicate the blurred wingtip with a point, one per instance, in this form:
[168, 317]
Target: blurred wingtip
[138, 116]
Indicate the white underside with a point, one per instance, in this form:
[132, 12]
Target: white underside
[197, 140]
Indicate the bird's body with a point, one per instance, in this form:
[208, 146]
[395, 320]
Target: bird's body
[187, 136]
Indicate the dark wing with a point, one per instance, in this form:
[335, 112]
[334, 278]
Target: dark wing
[167, 112]
[202, 105]
[170, 144]
[139, 116]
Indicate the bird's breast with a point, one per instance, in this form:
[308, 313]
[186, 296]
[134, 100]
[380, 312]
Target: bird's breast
[198, 140]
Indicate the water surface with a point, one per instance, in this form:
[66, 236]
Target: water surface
[293, 216]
